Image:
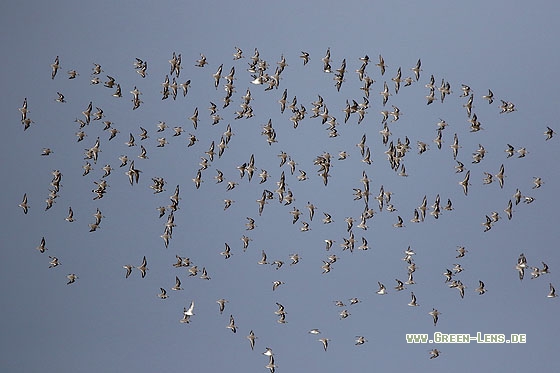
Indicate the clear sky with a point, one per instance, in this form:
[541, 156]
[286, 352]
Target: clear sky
[106, 322]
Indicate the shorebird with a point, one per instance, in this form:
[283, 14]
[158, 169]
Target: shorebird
[455, 146]
[434, 353]
[465, 182]
[489, 97]
[500, 176]
[55, 66]
[325, 342]
[187, 313]
[202, 61]
[360, 340]
[162, 294]
[133, 174]
[487, 224]
[128, 268]
[54, 262]
[295, 259]
[198, 179]
[385, 93]
[538, 182]
[382, 290]
[71, 278]
[410, 280]
[271, 366]
[251, 337]
[143, 267]
[305, 57]
[280, 310]
[480, 289]
[508, 210]
[552, 292]
[222, 304]
[24, 206]
[381, 65]
[413, 301]
[42, 246]
[204, 275]
[416, 69]
[434, 313]
[326, 267]
[521, 265]
[461, 250]
[276, 283]
[263, 258]
[177, 285]
[282, 319]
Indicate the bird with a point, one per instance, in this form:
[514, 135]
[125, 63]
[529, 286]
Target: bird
[435, 315]
[263, 258]
[275, 284]
[465, 182]
[434, 353]
[71, 278]
[280, 310]
[204, 275]
[382, 290]
[202, 61]
[500, 176]
[42, 246]
[538, 182]
[552, 292]
[480, 289]
[400, 285]
[55, 66]
[325, 342]
[54, 262]
[381, 65]
[187, 313]
[190, 311]
[231, 324]
[251, 337]
[143, 267]
[461, 250]
[489, 97]
[360, 340]
[413, 301]
[24, 206]
[177, 285]
[128, 268]
[162, 294]
[222, 304]
[305, 57]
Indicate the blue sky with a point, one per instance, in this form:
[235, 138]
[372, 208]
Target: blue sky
[105, 321]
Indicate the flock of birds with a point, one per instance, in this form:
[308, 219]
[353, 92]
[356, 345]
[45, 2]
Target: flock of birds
[267, 77]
